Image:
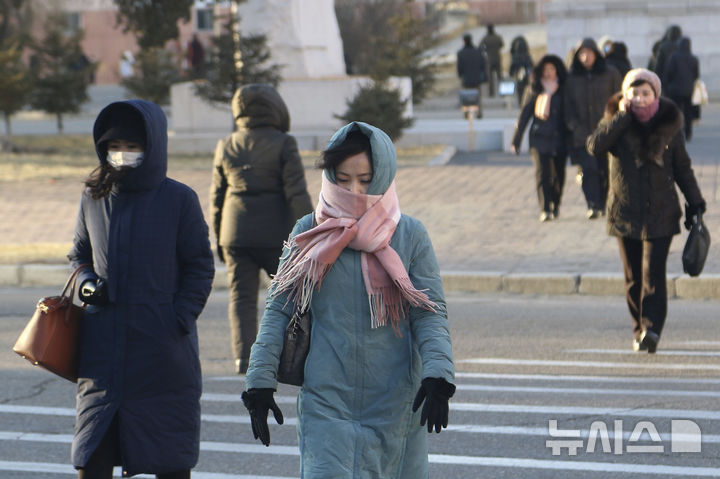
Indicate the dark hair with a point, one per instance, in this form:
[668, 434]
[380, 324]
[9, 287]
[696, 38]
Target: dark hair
[537, 72]
[101, 180]
[639, 82]
[354, 143]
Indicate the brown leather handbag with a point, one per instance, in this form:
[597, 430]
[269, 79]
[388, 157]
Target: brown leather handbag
[296, 347]
[51, 338]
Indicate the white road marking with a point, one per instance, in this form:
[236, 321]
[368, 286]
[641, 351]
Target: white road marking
[660, 352]
[67, 469]
[589, 364]
[594, 391]
[588, 378]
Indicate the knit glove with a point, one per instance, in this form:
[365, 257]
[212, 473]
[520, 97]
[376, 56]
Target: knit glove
[258, 402]
[94, 291]
[692, 211]
[435, 392]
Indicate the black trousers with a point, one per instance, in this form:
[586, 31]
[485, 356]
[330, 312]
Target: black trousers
[107, 455]
[595, 177]
[494, 75]
[686, 107]
[549, 179]
[243, 265]
[644, 266]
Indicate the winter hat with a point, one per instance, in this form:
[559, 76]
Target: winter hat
[124, 124]
[645, 75]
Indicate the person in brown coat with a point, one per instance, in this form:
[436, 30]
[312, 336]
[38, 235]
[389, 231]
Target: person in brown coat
[258, 192]
[642, 132]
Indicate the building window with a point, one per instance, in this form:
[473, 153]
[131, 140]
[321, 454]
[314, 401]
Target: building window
[204, 18]
[73, 22]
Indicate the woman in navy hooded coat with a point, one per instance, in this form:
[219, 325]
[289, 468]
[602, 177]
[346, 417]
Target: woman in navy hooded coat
[144, 235]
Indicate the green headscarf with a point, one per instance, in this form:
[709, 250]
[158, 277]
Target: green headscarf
[384, 158]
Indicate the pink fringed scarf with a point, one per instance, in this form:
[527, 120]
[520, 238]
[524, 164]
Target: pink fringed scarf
[362, 222]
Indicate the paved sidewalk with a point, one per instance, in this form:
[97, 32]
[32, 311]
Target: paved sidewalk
[480, 210]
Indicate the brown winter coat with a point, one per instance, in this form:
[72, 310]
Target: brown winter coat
[645, 162]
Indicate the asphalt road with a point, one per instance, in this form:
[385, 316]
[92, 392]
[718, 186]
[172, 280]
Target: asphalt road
[522, 363]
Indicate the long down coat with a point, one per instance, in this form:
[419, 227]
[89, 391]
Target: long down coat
[139, 356]
[354, 409]
[645, 163]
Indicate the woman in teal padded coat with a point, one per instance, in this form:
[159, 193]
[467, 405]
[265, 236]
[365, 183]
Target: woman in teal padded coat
[380, 365]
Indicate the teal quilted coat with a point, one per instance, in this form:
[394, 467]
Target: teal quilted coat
[354, 408]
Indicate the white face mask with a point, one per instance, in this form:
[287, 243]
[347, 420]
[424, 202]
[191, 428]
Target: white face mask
[131, 159]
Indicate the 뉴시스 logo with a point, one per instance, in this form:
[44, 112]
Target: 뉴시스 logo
[685, 436]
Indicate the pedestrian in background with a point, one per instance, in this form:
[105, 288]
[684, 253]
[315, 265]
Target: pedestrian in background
[258, 192]
[589, 85]
[472, 69]
[151, 271]
[642, 132]
[521, 66]
[666, 48]
[681, 73]
[617, 57]
[548, 135]
[196, 56]
[379, 333]
[491, 44]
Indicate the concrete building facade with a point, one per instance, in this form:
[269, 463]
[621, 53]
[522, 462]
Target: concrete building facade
[638, 23]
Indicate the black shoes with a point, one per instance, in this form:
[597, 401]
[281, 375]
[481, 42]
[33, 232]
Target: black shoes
[648, 342]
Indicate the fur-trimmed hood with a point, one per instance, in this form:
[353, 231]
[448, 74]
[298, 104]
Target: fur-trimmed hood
[649, 141]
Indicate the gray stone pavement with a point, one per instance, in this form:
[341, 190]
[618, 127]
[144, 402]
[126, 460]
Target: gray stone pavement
[480, 210]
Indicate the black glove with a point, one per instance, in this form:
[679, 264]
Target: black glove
[220, 254]
[436, 392]
[258, 402]
[691, 211]
[94, 292]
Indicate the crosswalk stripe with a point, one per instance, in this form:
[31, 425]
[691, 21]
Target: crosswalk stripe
[507, 462]
[520, 389]
[594, 391]
[454, 406]
[460, 428]
[590, 364]
[663, 352]
[67, 469]
[576, 465]
[587, 378]
[596, 411]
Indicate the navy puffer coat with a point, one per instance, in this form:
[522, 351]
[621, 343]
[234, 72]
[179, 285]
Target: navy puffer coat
[139, 356]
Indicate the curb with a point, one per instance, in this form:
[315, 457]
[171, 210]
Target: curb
[482, 282]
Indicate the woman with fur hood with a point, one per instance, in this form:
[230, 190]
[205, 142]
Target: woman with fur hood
[548, 135]
[642, 132]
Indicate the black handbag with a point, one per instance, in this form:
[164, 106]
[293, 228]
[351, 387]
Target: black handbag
[296, 347]
[696, 247]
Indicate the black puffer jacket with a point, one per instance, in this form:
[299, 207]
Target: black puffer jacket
[587, 92]
[681, 71]
[645, 162]
[258, 189]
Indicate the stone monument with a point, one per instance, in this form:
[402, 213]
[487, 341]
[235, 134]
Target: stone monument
[304, 39]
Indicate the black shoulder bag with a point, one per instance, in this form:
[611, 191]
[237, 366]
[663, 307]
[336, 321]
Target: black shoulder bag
[296, 347]
[696, 247]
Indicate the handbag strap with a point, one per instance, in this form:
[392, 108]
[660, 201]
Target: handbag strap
[71, 281]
